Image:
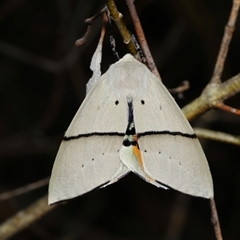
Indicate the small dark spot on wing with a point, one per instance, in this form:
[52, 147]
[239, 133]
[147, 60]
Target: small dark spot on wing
[142, 102]
[116, 102]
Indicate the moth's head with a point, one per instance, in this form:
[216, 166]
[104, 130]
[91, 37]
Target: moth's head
[128, 78]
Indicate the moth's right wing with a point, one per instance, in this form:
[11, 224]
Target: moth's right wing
[88, 157]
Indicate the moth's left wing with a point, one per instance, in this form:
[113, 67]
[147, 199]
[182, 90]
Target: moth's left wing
[170, 151]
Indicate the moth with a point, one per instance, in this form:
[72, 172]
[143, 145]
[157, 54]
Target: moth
[129, 122]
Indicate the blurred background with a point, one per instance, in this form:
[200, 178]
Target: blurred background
[42, 83]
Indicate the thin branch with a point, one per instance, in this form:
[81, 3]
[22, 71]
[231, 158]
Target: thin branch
[215, 220]
[141, 38]
[117, 18]
[211, 96]
[25, 217]
[217, 136]
[25, 189]
[41, 62]
[227, 108]
[180, 89]
[89, 22]
[227, 37]
[81, 41]
[38, 61]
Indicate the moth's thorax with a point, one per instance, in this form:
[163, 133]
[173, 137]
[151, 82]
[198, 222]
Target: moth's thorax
[128, 80]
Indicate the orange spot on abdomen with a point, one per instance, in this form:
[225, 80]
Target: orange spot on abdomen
[137, 153]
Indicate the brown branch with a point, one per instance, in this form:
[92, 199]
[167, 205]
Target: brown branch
[79, 42]
[180, 89]
[117, 18]
[38, 61]
[215, 220]
[25, 189]
[227, 37]
[89, 22]
[25, 217]
[141, 38]
[217, 136]
[227, 108]
[211, 96]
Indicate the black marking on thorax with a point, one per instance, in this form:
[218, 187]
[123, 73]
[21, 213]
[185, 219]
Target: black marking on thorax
[131, 126]
[130, 138]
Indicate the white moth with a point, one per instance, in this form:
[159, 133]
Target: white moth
[129, 122]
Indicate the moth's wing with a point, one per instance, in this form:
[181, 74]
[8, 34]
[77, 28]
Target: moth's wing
[88, 158]
[85, 164]
[171, 153]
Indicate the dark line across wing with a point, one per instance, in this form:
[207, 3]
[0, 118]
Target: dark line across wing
[93, 134]
[187, 135]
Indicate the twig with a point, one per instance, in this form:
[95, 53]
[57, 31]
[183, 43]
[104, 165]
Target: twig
[79, 42]
[211, 95]
[41, 62]
[217, 136]
[24, 218]
[25, 189]
[215, 220]
[141, 38]
[185, 86]
[117, 18]
[227, 37]
[38, 61]
[227, 108]
[88, 21]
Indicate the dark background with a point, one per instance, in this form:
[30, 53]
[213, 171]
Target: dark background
[42, 83]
